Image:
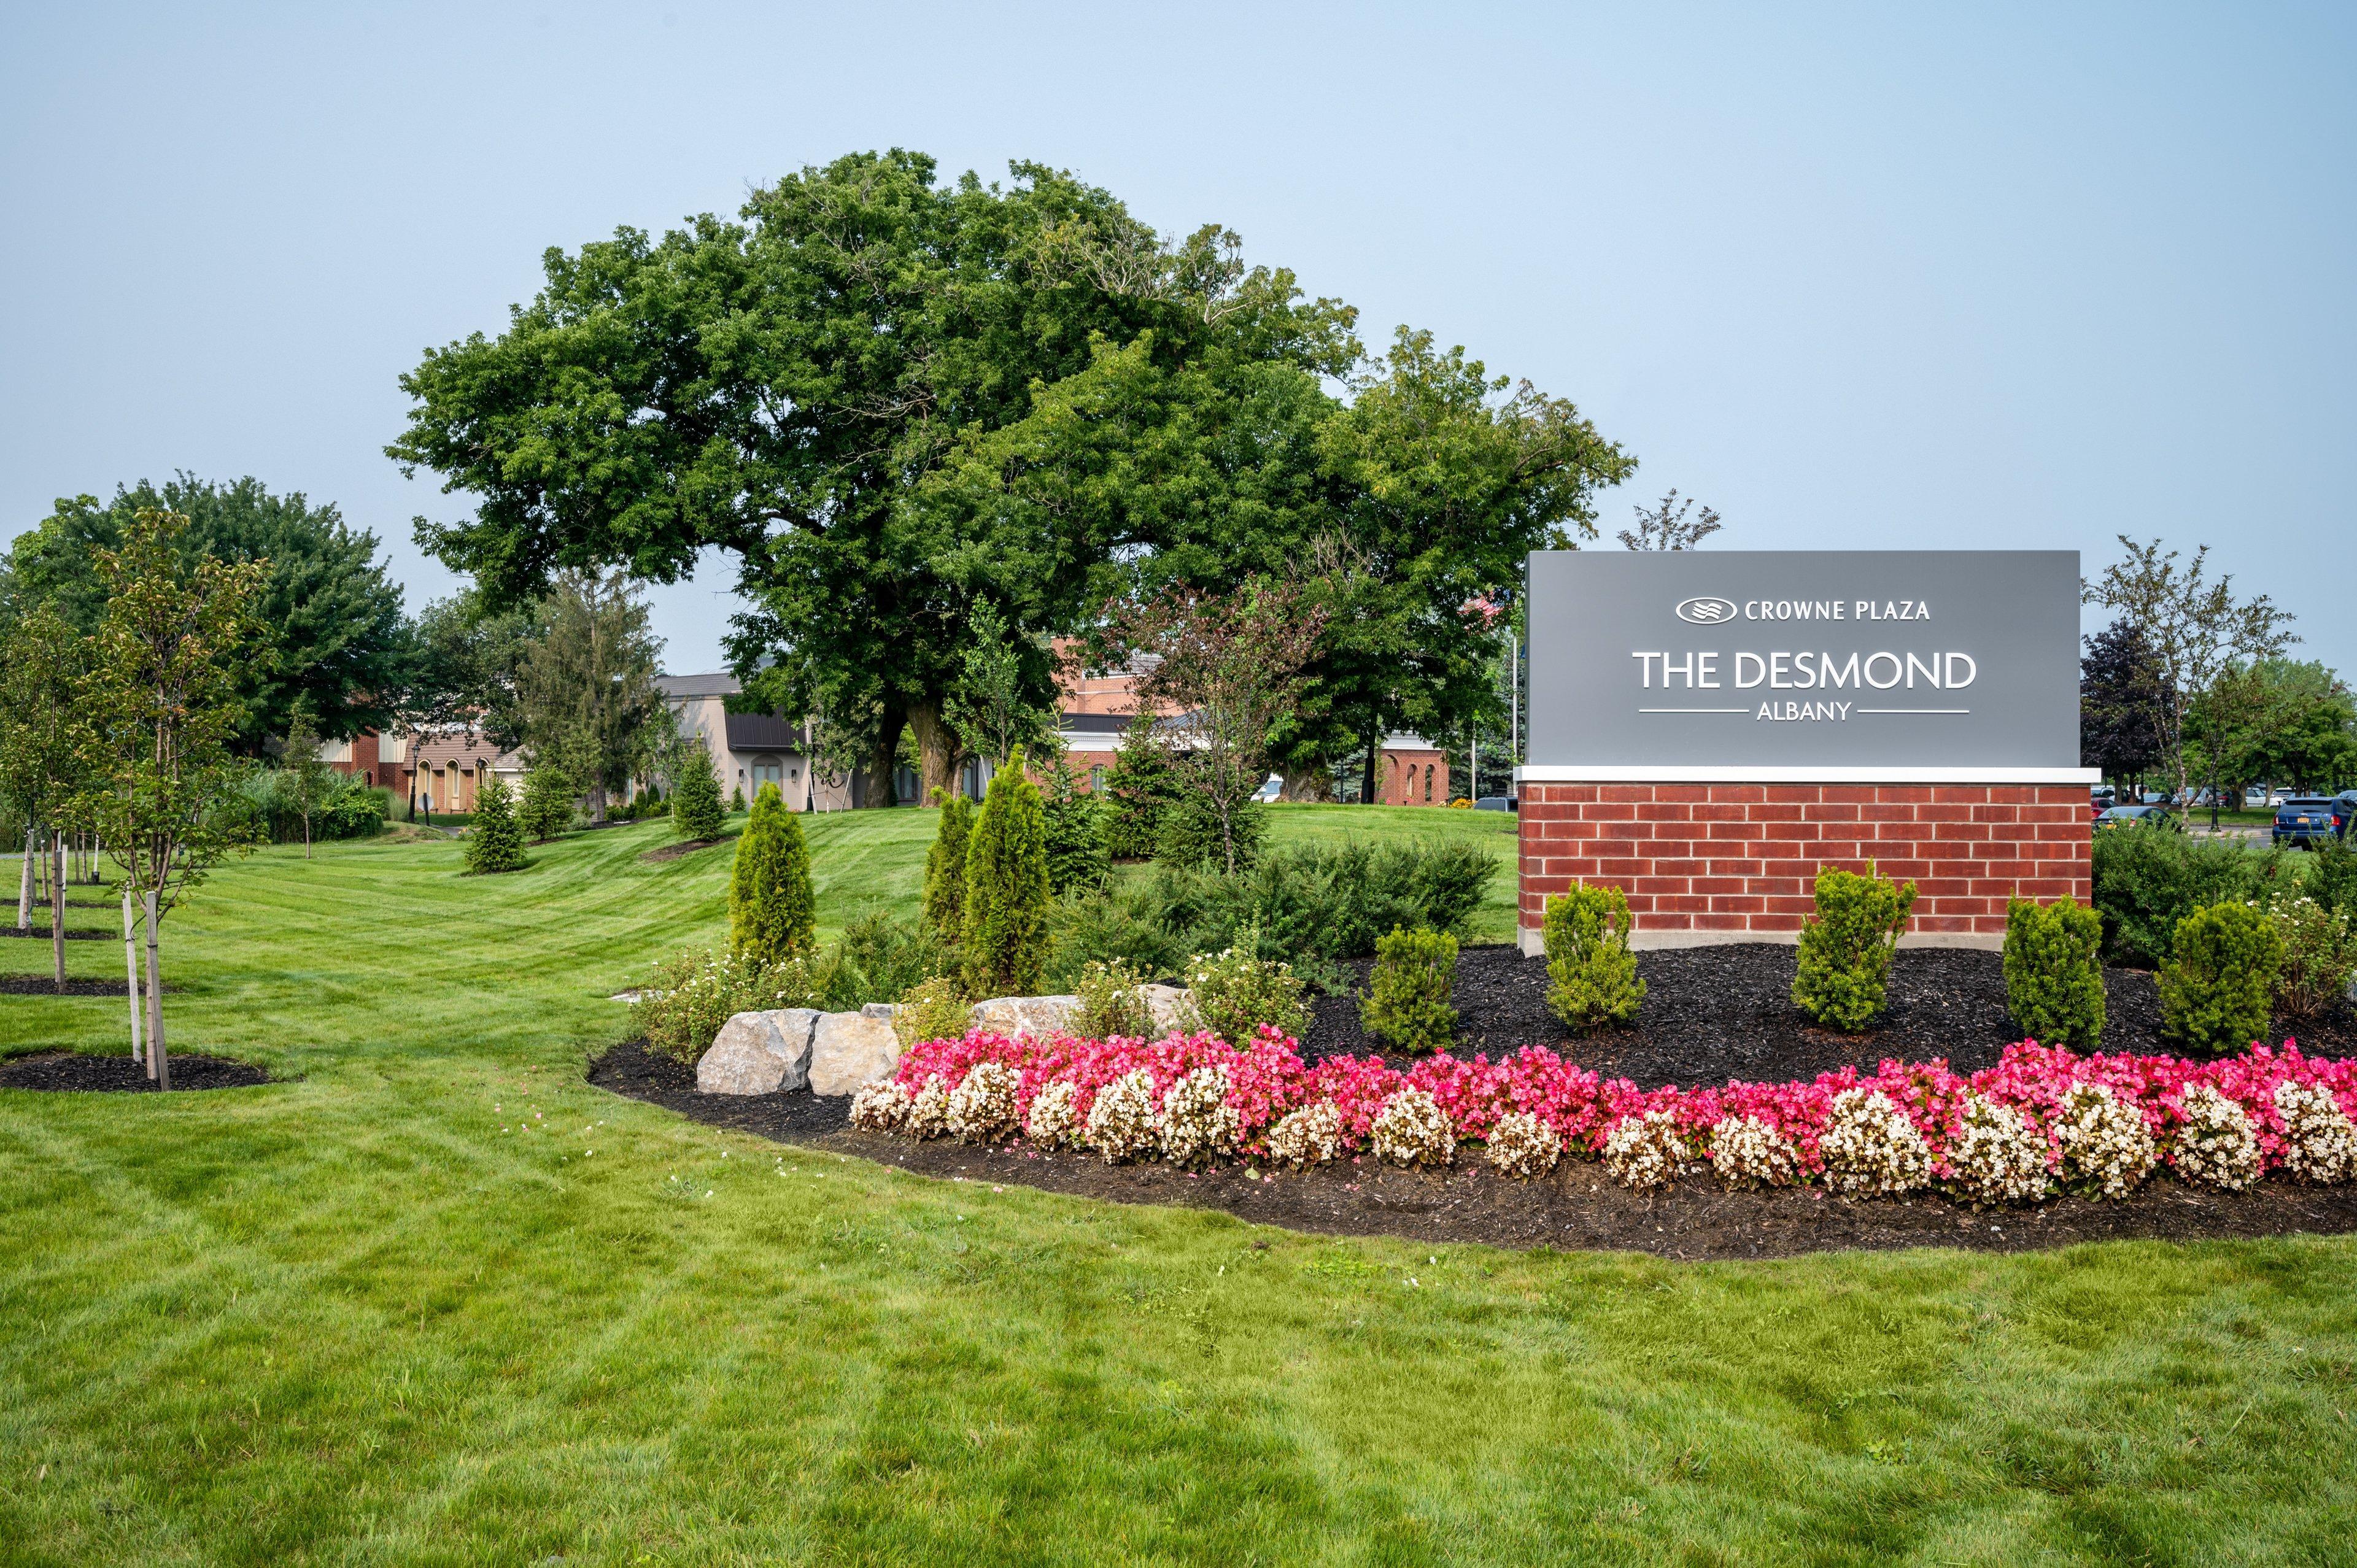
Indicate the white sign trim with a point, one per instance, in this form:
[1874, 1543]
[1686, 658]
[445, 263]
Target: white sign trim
[1671, 773]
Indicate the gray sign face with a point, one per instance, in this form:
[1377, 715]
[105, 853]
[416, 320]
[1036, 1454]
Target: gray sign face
[1765, 664]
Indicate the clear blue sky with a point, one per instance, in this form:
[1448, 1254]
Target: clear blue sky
[1899, 275]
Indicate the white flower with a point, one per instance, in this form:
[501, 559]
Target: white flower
[1746, 1151]
[2320, 1144]
[880, 1107]
[1523, 1147]
[1309, 1136]
[1870, 1147]
[1645, 1151]
[983, 1108]
[1413, 1130]
[1996, 1157]
[2104, 1143]
[2215, 1142]
[1122, 1123]
[1197, 1122]
[1054, 1123]
[928, 1109]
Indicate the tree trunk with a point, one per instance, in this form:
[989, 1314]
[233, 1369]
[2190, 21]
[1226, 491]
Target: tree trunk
[1375, 749]
[159, 1066]
[1313, 785]
[25, 887]
[885, 759]
[131, 970]
[937, 751]
[306, 835]
[597, 802]
[58, 905]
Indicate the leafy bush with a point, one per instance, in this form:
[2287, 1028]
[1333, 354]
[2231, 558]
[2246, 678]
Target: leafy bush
[1007, 888]
[1128, 923]
[1111, 1005]
[879, 957]
[2216, 989]
[1191, 833]
[354, 811]
[2148, 879]
[2332, 879]
[263, 809]
[772, 910]
[1407, 995]
[1235, 991]
[2055, 972]
[945, 866]
[2320, 954]
[1847, 947]
[547, 808]
[1138, 787]
[934, 1009]
[1074, 824]
[696, 815]
[1591, 974]
[692, 994]
[494, 842]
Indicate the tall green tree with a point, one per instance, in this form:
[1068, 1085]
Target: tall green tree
[494, 842]
[46, 745]
[697, 814]
[945, 907]
[164, 699]
[2122, 719]
[331, 631]
[546, 808]
[585, 691]
[772, 908]
[782, 386]
[1007, 888]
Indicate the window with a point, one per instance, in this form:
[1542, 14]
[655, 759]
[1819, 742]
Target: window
[1096, 779]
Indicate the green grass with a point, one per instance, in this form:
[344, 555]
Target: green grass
[365, 1316]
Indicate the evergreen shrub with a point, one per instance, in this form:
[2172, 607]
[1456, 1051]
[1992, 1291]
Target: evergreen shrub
[2218, 985]
[736, 800]
[2055, 972]
[1407, 995]
[494, 842]
[1847, 945]
[696, 815]
[945, 907]
[1191, 833]
[772, 910]
[1007, 888]
[547, 807]
[1077, 857]
[1591, 974]
[879, 957]
[1139, 787]
[2148, 879]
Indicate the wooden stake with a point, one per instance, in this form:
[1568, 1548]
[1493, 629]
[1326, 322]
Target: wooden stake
[159, 1065]
[130, 974]
[58, 905]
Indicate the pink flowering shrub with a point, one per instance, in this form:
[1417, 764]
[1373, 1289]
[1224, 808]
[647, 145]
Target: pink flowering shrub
[2043, 1116]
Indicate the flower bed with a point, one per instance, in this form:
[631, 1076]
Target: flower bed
[2040, 1121]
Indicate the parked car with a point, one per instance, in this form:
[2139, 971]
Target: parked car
[2305, 821]
[1494, 803]
[1271, 788]
[2130, 816]
[2344, 814]
[2255, 799]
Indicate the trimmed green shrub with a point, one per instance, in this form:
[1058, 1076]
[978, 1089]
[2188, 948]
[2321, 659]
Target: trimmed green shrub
[1191, 833]
[2320, 954]
[681, 1008]
[772, 910]
[945, 866]
[1847, 947]
[1112, 1002]
[547, 808]
[1407, 995]
[934, 1009]
[494, 842]
[736, 800]
[1007, 888]
[1591, 974]
[1235, 991]
[2217, 988]
[2055, 972]
[1139, 786]
[696, 816]
[1076, 835]
[2148, 879]
[2332, 879]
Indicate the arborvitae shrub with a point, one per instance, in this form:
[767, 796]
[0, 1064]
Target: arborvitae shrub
[945, 866]
[1138, 787]
[695, 811]
[1077, 858]
[2055, 972]
[1112, 1002]
[1591, 974]
[772, 911]
[547, 807]
[1407, 995]
[494, 842]
[1007, 888]
[2216, 990]
[1846, 948]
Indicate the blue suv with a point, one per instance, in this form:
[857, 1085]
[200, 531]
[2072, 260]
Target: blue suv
[2309, 822]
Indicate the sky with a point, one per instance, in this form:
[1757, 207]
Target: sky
[1858, 277]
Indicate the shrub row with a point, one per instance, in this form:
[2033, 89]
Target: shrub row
[2041, 1121]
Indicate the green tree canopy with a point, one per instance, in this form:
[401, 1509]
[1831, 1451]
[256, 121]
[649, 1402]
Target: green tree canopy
[332, 634]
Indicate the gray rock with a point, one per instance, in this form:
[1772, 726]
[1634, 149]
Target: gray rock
[759, 1053]
[848, 1049]
[883, 1010]
[1038, 1016]
[1172, 1007]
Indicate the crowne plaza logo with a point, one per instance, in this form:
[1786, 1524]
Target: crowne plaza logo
[1706, 611]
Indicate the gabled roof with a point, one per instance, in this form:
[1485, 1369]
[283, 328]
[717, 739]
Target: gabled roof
[718, 683]
[762, 732]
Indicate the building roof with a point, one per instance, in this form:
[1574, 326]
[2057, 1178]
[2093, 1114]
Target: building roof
[441, 750]
[1407, 740]
[762, 732]
[719, 684]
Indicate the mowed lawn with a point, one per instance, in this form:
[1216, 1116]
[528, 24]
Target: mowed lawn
[434, 1299]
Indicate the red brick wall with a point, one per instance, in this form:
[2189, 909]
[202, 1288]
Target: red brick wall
[1729, 858]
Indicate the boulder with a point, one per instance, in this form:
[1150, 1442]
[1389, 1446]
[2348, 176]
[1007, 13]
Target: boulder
[883, 1010]
[759, 1053]
[1171, 1007]
[1038, 1016]
[848, 1049]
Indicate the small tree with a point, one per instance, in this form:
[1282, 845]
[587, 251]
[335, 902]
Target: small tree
[697, 814]
[1407, 993]
[548, 795]
[1667, 527]
[1007, 888]
[305, 776]
[494, 842]
[772, 909]
[988, 706]
[1139, 788]
[1075, 829]
[736, 800]
[164, 698]
[586, 687]
[45, 746]
[1231, 665]
[1592, 980]
[945, 867]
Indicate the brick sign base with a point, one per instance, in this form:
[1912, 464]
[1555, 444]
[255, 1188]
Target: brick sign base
[1724, 863]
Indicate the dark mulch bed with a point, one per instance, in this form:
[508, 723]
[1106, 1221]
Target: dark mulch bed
[40, 933]
[74, 1073]
[1575, 1207]
[1713, 1014]
[47, 985]
[675, 850]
